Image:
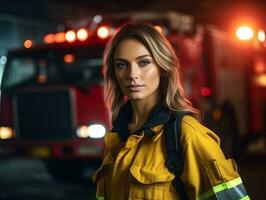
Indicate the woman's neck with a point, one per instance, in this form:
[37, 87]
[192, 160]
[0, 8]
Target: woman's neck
[141, 111]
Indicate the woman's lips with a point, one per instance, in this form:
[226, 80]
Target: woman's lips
[135, 88]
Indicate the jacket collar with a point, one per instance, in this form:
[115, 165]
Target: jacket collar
[160, 115]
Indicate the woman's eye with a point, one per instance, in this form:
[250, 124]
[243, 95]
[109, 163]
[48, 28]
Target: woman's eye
[121, 65]
[144, 62]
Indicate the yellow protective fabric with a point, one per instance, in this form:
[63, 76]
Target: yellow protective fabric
[136, 169]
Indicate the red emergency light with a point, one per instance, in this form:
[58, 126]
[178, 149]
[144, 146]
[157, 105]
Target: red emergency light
[82, 34]
[70, 36]
[60, 37]
[261, 35]
[49, 38]
[244, 33]
[103, 32]
[205, 91]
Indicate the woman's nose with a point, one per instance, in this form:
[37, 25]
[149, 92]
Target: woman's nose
[133, 71]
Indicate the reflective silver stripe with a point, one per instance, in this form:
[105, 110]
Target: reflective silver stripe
[235, 193]
[233, 190]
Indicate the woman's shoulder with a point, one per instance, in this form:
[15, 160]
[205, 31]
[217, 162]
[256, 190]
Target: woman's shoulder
[191, 124]
[191, 128]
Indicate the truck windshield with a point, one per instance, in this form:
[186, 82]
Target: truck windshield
[20, 70]
[81, 66]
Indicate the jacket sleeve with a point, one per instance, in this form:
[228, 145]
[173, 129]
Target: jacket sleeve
[100, 190]
[99, 180]
[112, 141]
[100, 194]
[207, 174]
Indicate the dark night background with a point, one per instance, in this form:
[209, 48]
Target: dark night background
[215, 11]
[22, 19]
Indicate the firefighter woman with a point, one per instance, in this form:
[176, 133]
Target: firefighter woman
[143, 92]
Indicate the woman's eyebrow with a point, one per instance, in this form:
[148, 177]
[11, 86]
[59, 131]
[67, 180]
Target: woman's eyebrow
[120, 59]
[142, 56]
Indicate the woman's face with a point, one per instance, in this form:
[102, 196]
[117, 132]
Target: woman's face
[136, 72]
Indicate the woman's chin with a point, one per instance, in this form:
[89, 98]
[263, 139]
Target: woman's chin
[135, 97]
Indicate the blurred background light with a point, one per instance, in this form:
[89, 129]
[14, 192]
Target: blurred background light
[49, 38]
[261, 35]
[103, 32]
[82, 34]
[244, 33]
[70, 36]
[27, 44]
[3, 60]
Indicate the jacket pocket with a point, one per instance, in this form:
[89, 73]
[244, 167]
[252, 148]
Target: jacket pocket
[149, 183]
[225, 182]
[220, 172]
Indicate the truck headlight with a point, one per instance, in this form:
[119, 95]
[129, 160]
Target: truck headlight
[92, 131]
[6, 133]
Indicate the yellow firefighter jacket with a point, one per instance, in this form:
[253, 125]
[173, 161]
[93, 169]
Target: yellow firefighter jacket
[135, 168]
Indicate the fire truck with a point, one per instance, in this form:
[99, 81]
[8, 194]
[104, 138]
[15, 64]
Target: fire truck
[52, 107]
[52, 104]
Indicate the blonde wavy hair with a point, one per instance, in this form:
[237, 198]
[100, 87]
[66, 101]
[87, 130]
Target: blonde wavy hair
[172, 92]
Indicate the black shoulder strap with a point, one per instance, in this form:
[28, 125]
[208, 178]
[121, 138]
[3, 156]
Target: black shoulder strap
[175, 160]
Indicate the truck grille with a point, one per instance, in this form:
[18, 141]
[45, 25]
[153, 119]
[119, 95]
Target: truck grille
[45, 114]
